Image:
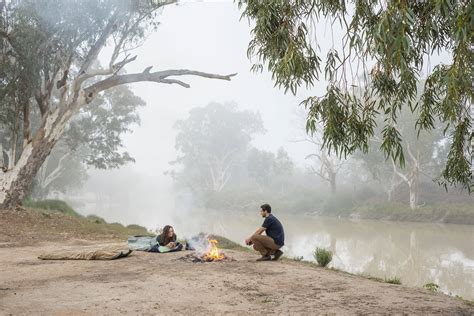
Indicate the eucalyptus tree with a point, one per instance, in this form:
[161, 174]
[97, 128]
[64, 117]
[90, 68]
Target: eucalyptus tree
[385, 49]
[211, 143]
[425, 154]
[54, 46]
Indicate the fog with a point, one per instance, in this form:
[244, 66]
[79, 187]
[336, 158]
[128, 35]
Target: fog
[205, 36]
[201, 36]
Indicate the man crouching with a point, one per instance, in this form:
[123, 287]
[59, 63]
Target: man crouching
[275, 236]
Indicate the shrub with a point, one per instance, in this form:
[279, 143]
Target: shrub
[322, 256]
[96, 219]
[137, 227]
[394, 280]
[433, 287]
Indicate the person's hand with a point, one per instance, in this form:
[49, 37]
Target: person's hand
[171, 245]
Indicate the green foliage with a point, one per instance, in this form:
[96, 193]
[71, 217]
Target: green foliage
[52, 205]
[390, 43]
[282, 43]
[394, 280]
[97, 131]
[433, 287]
[322, 256]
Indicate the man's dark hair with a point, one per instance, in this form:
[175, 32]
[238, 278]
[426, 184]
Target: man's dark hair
[266, 207]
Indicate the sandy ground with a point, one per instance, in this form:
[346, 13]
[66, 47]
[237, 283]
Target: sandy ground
[149, 283]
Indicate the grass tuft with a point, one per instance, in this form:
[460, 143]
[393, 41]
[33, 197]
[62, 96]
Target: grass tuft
[322, 256]
[433, 287]
[394, 280]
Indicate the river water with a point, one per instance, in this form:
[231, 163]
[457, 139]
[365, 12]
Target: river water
[417, 253]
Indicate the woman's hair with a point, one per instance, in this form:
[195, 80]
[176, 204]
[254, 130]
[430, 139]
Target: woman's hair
[164, 238]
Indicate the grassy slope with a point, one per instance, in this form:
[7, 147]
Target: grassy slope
[57, 221]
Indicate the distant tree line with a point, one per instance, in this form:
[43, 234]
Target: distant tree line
[220, 166]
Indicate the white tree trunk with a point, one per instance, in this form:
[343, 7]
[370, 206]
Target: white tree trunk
[2, 161]
[15, 183]
[413, 204]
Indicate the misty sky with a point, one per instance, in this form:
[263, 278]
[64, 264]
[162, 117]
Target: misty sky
[207, 37]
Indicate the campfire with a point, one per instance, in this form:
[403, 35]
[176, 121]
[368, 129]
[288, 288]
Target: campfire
[212, 254]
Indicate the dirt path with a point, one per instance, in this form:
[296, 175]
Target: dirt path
[148, 283]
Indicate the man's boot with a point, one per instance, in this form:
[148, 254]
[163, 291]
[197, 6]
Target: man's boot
[277, 255]
[264, 258]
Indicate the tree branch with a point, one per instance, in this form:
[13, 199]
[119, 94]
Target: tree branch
[171, 81]
[95, 50]
[112, 70]
[159, 77]
[56, 172]
[410, 153]
[401, 175]
[312, 155]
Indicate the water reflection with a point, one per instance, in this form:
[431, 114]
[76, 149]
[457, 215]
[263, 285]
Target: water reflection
[418, 253]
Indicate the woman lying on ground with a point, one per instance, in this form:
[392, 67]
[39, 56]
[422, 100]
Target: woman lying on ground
[167, 241]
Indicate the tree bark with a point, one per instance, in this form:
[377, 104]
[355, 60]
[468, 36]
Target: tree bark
[26, 123]
[14, 138]
[2, 160]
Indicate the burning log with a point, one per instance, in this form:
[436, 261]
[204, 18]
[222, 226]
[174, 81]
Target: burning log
[212, 254]
[194, 258]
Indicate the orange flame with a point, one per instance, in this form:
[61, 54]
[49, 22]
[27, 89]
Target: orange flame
[213, 252]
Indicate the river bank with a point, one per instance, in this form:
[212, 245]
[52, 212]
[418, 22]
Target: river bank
[151, 283]
[443, 213]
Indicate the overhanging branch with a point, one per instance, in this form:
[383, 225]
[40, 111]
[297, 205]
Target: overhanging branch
[159, 77]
